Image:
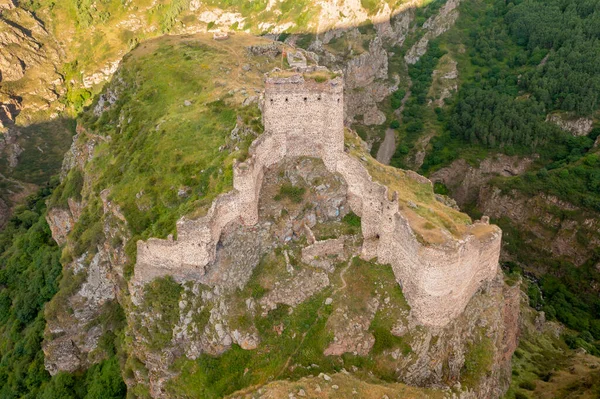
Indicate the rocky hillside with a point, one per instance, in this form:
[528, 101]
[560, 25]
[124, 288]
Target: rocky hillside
[269, 307]
[156, 124]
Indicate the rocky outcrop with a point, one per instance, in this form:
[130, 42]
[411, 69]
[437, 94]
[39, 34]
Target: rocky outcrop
[444, 81]
[576, 126]
[548, 223]
[73, 328]
[554, 225]
[209, 309]
[24, 44]
[367, 85]
[71, 338]
[434, 27]
[73, 316]
[465, 181]
[9, 109]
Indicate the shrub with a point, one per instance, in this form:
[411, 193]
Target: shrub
[528, 385]
[520, 395]
[352, 219]
[291, 192]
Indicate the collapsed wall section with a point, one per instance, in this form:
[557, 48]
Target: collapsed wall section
[304, 117]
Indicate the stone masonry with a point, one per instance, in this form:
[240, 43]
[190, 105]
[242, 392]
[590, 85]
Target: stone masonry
[303, 117]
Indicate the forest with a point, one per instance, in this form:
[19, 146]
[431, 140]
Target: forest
[527, 59]
[30, 272]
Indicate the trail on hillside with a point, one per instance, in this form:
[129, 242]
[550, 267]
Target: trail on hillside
[388, 147]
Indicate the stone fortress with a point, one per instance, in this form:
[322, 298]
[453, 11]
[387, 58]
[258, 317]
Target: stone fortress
[303, 117]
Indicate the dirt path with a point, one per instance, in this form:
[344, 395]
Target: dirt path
[388, 147]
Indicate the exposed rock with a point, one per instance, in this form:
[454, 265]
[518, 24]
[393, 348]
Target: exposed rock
[465, 181]
[318, 132]
[295, 290]
[102, 75]
[444, 81]
[351, 334]
[296, 59]
[434, 26]
[366, 84]
[9, 111]
[61, 354]
[576, 126]
[552, 224]
[61, 222]
[70, 342]
[322, 254]
[6, 5]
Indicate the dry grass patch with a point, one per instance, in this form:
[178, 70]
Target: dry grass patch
[348, 386]
[431, 220]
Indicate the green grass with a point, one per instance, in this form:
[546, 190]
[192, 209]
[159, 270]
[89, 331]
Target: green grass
[291, 192]
[215, 376]
[161, 303]
[478, 361]
[150, 145]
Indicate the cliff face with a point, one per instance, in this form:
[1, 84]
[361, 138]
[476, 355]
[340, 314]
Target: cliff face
[553, 226]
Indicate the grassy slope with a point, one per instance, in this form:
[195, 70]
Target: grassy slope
[152, 145]
[544, 367]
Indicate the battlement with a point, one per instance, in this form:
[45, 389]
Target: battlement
[303, 116]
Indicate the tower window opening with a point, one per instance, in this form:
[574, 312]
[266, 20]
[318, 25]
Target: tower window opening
[305, 99]
[286, 100]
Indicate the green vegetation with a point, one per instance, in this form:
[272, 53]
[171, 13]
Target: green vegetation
[513, 58]
[291, 192]
[29, 274]
[44, 145]
[30, 271]
[416, 110]
[101, 381]
[297, 337]
[169, 151]
[161, 301]
[478, 361]
[543, 365]
[503, 71]
[568, 291]
[352, 219]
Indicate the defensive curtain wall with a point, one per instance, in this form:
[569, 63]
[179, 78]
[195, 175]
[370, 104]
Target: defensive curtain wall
[305, 118]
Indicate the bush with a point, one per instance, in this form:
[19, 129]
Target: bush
[528, 385]
[352, 220]
[520, 395]
[291, 192]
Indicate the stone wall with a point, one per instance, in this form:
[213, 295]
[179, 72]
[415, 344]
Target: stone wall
[305, 118]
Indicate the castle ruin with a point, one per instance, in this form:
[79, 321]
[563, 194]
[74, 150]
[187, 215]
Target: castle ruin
[303, 117]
